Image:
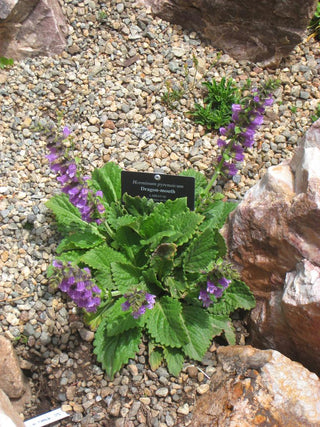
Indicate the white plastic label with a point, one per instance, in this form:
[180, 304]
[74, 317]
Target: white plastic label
[47, 418]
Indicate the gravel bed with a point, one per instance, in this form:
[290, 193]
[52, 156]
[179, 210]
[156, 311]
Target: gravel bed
[108, 87]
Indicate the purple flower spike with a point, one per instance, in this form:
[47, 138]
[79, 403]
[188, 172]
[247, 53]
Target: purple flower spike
[213, 289]
[78, 285]
[151, 299]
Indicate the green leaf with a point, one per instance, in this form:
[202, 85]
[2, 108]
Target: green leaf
[100, 258]
[138, 206]
[237, 295]
[201, 252]
[155, 355]
[176, 287]
[200, 180]
[108, 180]
[166, 323]
[125, 276]
[221, 324]
[120, 321]
[162, 259]
[174, 358]
[66, 214]
[72, 256]
[155, 223]
[218, 213]
[94, 319]
[80, 240]
[114, 351]
[185, 225]
[199, 330]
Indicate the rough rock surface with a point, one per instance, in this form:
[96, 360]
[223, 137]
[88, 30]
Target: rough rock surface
[31, 28]
[12, 381]
[7, 413]
[258, 387]
[258, 31]
[274, 237]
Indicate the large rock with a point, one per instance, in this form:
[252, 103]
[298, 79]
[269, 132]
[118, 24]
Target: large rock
[12, 381]
[274, 238]
[31, 28]
[264, 30]
[258, 388]
[8, 416]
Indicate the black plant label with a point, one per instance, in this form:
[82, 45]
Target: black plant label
[159, 187]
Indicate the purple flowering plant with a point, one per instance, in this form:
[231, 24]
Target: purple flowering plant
[151, 271]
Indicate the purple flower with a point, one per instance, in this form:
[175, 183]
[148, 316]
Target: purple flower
[223, 131]
[258, 120]
[151, 299]
[240, 132]
[268, 102]
[236, 108]
[206, 300]
[139, 312]
[213, 289]
[224, 282]
[66, 131]
[78, 285]
[221, 143]
[139, 301]
[74, 186]
[231, 168]
[125, 306]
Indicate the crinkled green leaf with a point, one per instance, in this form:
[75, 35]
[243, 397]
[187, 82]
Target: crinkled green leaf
[125, 276]
[199, 331]
[175, 287]
[220, 324]
[162, 259]
[108, 180]
[174, 358]
[101, 257]
[114, 351]
[202, 250]
[218, 213]
[80, 240]
[155, 223]
[138, 206]
[67, 215]
[200, 180]
[120, 321]
[122, 221]
[237, 295]
[166, 323]
[185, 226]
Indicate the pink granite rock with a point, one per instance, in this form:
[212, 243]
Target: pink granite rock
[253, 387]
[12, 380]
[274, 238]
[8, 416]
[254, 30]
[31, 28]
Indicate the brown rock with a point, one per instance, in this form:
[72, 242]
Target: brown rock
[7, 412]
[253, 30]
[274, 238]
[31, 28]
[12, 381]
[258, 388]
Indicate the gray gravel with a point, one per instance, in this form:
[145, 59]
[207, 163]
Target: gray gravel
[108, 85]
